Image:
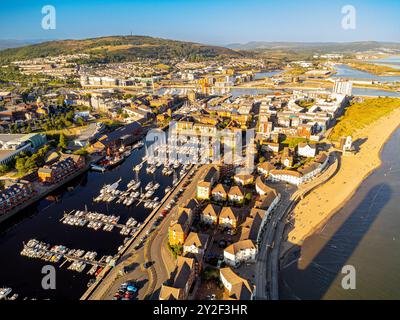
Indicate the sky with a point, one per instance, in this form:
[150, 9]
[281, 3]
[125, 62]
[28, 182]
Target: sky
[205, 21]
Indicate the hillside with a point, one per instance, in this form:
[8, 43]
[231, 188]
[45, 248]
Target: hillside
[120, 48]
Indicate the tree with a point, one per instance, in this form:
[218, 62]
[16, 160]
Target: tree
[20, 165]
[61, 100]
[80, 121]
[31, 163]
[127, 96]
[82, 152]
[248, 197]
[4, 169]
[176, 250]
[63, 141]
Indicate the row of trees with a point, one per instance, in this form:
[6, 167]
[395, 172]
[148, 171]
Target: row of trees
[26, 162]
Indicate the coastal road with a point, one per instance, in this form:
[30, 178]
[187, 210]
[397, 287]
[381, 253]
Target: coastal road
[264, 271]
[267, 266]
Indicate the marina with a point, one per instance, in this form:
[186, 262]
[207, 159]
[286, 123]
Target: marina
[44, 224]
[100, 221]
[110, 193]
[80, 259]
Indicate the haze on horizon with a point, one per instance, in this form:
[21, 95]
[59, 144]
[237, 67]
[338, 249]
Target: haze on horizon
[212, 22]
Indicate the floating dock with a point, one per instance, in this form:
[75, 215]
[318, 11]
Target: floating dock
[80, 259]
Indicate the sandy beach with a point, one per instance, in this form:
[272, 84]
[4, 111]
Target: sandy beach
[312, 212]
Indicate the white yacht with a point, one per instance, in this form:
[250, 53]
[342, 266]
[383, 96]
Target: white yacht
[149, 186]
[156, 186]
[138, 145]
[135, 194]
[149, 193]
[151, 169]
[4, 292]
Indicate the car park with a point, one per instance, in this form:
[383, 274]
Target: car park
[126, 291]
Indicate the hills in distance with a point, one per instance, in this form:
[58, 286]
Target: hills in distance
[129, 48]
[325, 47]
[120, 48]
[12, 43]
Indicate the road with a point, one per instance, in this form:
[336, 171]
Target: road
[264, 270]
[163, 264]
[267, 265]
[153, 250]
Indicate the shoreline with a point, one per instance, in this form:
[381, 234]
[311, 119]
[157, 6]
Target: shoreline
[331, 200]
[42, 194]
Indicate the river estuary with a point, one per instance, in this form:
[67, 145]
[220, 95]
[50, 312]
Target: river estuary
[365, 233]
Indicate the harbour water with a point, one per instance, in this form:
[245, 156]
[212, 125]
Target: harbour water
[375, 93]
[393, 61]
[262, 75]
[346, 72]
[365, 234]
[41, 221]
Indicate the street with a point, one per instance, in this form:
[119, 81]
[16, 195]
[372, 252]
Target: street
[267, 265]
[153, 251]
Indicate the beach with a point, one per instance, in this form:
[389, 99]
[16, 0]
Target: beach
[312, 212]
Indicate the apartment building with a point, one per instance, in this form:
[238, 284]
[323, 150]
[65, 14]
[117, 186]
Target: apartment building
[64, 167]
[239, 252]
[236, 287]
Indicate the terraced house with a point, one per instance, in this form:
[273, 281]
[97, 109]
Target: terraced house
[220, 192]
[15, 195]
[204, 187]
[243, 179]
[236, 287]
[195, 243]
[210, 214]
[236, 194]
[239, 252]
[252, 227]
[229, 218]
[184, 277]
[64, 167]
[179, 228]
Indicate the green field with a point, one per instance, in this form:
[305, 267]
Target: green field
[360, 115]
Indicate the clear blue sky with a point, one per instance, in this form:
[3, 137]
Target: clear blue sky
[207, 21]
